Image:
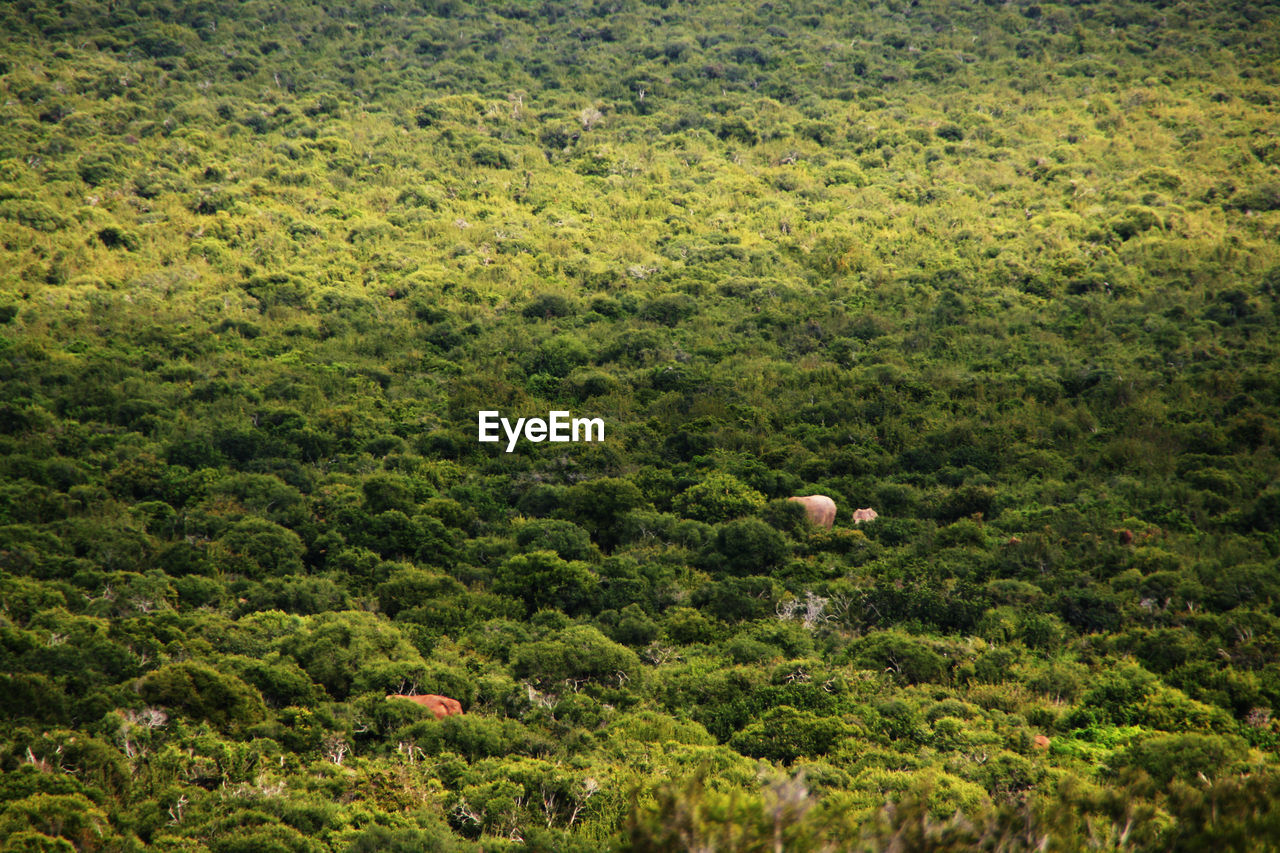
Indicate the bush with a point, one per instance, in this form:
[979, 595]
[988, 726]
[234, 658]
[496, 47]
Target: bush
[578, 652]
[491, 157]
[114, 237]
[1184, 756]
[598, 506]
[413, 587]
[737, 599]
[548, 305]
[1264, 196]
[747, 546]
[541, 579]
[565, 538]
[719, 497]
[910, 659]
[787, 516]
[669, 309]
[334, 647]
[33, 214]
[685, 625]
[785, 734]
[56, 823]
[259, 547]
[203, 693]
[265, 838]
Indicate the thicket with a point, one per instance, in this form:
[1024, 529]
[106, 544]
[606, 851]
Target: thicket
[1008, 273]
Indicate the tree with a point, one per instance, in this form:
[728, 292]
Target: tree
[334, 647]
[204, 693]
[578, 652]
[261, 548]
[410, 587]
[56, 823]
[1185, 756]
[719, 497]
[747, 546]
[597, 505]
[567, 539]
[912, 659]
[541, 579]
[785, 734]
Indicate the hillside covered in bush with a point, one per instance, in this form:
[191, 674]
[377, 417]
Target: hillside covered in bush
[1007, 272]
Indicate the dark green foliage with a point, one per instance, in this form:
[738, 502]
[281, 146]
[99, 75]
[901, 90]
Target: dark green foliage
[734, 599]
[382, 839]
[599, 505]
[912, 659]
[1263, 196]
[32, 214]
[56, 823]
[1006, 273]
[785, 734]
[116, 238]
[334, 647]
[542, 579]
[280, 681]
[259, 547]
[548, 305]
[492, 156]
[631, 627]
[718, 497]
[669, 309]
[567, 539]
[747, 546]
[267, 838]
[411, 587]
[203, 693]
[580, 653]
[787, 516]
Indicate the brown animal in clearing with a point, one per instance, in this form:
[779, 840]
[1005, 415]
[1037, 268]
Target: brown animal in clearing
[441, 706]
[867, 514]
[1041, 742]
[820, 509]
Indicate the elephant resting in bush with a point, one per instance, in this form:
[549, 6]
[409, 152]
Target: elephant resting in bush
[441, 706]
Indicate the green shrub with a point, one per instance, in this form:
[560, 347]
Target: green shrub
[576, 653]
[33, 214]
[747, 546]
[261, 548]
[1184, 756]
[203, 693]
[542, 579]
[718, 497]
[909, 658]
[784, 734]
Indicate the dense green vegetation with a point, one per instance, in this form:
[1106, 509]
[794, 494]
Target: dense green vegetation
[1007, 272]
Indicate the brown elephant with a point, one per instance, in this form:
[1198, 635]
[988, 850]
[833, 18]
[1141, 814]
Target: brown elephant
[820, 509]
[441, 706]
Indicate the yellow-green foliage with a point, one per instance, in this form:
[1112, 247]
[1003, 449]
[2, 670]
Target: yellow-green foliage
[1005, 272]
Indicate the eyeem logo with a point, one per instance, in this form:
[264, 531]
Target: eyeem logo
[557, 427]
